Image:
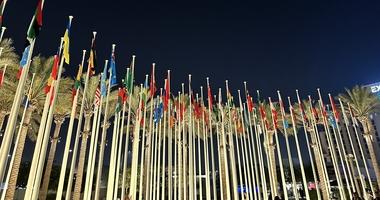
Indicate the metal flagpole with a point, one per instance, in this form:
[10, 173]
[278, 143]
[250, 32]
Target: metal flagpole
[103, 138]
[17, 138]
[206, 148]
[342, 153]
[157, 156]
[299, 152]
[163, 170]
[252, 149]
[2, 29]
[211, 142]
[331, 148]
[249, 161]
[353, 150]
[308, 146]
[314, 133]
[199, 153]
[221, 165]
[288, 147]
[125, 160]
[135, 149]
[111, 171]
[355, 124]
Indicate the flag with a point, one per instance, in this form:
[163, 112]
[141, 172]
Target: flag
[209, 94]
[335, 111]
[121, 98]
[152, 83]
[128, 81]
[331, 119]
[158, 113]
[113, 69]
[274, 115]
[66, 43]
[167, 94]
[230, 98]
[24, 60]
[92, 59]
[77, 81]
[53, 74]
[97, 97]
[249, 103]
[36, 24]
[103, 82]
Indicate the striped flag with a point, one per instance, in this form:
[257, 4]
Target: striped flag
[97, 97]
[35, 26]
[53, 74]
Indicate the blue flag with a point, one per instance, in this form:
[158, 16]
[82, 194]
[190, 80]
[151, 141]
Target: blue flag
[113, 69]
[24, 58]
[103, 85]
[331, 118]
[158, 113]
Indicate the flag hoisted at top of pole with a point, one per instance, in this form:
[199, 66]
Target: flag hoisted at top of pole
[66, 43]
[92, 59]
[36, 24]
[153, 82]
[113, 67]
[2, 7]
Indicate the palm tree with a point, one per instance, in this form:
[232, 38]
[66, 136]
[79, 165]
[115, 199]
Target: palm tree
[363, 103]
[41, 67]
[61, 112]
[10, 59]
[88, 112]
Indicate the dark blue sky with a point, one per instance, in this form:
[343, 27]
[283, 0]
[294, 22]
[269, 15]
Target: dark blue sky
[273, 44]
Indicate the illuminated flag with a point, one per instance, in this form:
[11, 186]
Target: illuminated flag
[24, 60]
[92, 59]
[97, 97]
[35, 26]
[53, 75]
[152, 83]
[103, 82]
[66, 43]
[334, 109]
[113, 69]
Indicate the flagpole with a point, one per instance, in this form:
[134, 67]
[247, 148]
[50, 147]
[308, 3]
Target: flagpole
[253, 150]
[176, 141]
[125, 160]
[93, 141]
[135, 149]
[258, 131]
[331, 148]
[67, 148]
[143, 156]
[39, 140]
[248, 161]
[130, 94]
[199, 151]
[361, 151]
[148, 158]
[206, 149]
[220, 164]
[278, 151]
[342, 151]
[119, 154]
[180, 145]
[17, 138]
[106, 125]
[249, 164]
[299, 153]
[353, 150]
[290, 158]
[153, 152]
[12, 119]
[2, 29]
[224, 149]
[315, 134]
[211, 139]
[92, 157]
[170, 142]
[266, 144]
[308, 146]
[157, 156]
[242, 183]
[164, 146]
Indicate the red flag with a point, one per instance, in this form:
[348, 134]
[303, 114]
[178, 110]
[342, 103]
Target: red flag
[336, 113]
[167, 95]
[275, 117]
[249, 103]
[209, 94]
[18, 76]
[97, 96]
[122, 95]
[152, 83]
[53, 74]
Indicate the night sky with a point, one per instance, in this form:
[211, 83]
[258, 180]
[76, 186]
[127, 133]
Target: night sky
[284, 45]
[273, 45]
